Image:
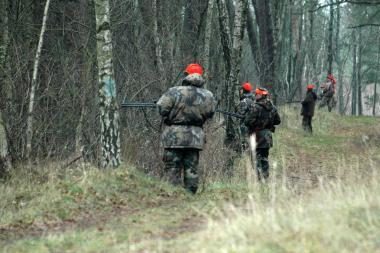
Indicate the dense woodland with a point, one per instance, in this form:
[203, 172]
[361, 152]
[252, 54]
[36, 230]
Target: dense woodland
[52, 52]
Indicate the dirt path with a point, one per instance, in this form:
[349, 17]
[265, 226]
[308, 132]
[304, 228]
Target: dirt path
[186, 222]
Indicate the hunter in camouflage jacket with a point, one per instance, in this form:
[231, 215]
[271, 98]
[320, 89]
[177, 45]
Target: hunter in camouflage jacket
[185, 109]
[261, 120]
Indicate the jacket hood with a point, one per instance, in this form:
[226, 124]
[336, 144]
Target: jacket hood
[194, 80]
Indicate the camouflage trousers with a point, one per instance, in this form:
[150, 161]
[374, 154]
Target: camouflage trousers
[262, 163]
[182, 163]
[329, 101]
[306, 124]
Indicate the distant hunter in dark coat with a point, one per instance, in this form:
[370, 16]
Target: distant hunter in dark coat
[308, 105]
[184, 110]
[261, 119]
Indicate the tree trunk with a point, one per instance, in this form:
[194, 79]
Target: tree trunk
[330, 45]
[207, 40]
[300, 55]
[237, 46]
[354, 76]
[232, 56]
[376, 80]
[252, 36]
[29, 127]
[87, 130]
[359, 75]
[157, 41]
[5, 161]
[225, 37]
[267, 44]
[109, 114]
[191, 30]
[338, 62]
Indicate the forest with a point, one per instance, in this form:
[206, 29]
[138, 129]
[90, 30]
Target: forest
[54, 107]
[81, 173]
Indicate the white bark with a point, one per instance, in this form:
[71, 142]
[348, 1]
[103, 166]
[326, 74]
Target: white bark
[5, 163]
[109, 114]
[29, 126]
[157, 41]
[208, 30]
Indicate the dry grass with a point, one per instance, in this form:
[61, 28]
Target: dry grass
[323, 196]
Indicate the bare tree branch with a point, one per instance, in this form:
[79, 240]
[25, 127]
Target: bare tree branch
[346, 1]
[362, 25]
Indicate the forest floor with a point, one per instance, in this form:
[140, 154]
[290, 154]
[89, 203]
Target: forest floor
[324, 196]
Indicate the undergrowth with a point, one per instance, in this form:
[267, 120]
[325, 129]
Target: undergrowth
[322, 197]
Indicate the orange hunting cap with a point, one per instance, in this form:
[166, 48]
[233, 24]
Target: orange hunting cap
[194, 68]
[261, 91]
[247, 87]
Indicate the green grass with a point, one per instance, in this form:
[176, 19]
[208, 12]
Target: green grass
[323, 197]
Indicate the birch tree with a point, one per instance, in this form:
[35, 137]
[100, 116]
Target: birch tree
[266, 39]
[330, 40]
[207, 40]
[338, 62]
[354, 76]
[29, 127]
[232, 49]
[109, 115]
[359, 73]
[5, 163]
[376, 78]
[157, 41]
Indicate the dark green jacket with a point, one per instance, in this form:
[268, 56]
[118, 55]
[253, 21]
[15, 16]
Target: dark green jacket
[308, 104]
[260, 120]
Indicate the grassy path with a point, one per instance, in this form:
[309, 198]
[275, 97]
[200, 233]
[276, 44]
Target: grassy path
[85, 210]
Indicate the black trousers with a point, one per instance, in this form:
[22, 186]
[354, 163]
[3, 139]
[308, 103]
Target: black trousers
[306, 123]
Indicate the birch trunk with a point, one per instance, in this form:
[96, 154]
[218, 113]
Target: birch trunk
[237, 46]
[252, 36]
[207, 41]
[29, 126]
[376, 81]
[359, 74]
[330, 46]
[232, 48]
[157, 41]
[354, 77]
[109, 114]
[338, 62]
[5, 162]
[225, 37]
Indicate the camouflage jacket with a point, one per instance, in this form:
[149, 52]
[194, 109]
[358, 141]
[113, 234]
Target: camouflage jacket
[184, 110]
[246, 102]
[260, 120]
[328, 89]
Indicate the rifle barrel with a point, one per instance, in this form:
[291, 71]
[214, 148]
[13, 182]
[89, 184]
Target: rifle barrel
[146, 105]
[232, 114]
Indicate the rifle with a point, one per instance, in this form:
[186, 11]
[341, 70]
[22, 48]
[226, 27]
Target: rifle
[154, 105]
[138, 105]
[231, 114]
